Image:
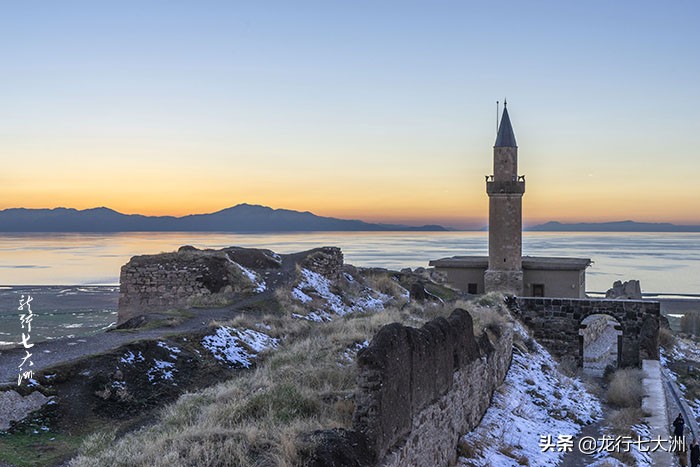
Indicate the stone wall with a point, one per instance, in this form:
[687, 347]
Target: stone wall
[419, 390]
[212, 278]
[555, 323]
[327, 261]
[508, 282]
[186, 278]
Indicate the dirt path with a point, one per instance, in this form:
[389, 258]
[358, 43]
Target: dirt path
[51, 353]
[576, 458]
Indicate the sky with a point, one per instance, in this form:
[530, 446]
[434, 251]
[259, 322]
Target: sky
[374, 110]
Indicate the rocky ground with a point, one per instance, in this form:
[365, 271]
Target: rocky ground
[121, 377]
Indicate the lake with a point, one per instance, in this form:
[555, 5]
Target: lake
[663, 262]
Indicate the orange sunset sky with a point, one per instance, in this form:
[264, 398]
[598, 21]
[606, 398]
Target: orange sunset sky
[352, 111]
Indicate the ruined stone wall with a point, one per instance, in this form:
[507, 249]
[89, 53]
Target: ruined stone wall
[419, 390]
[178, 280]
[211, 278]
[555, 323]
[327, 261]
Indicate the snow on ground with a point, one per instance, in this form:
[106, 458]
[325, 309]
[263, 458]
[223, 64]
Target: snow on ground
[301, 296]
[252, 276]
[161, 369]
[130, 358]
[349, 355]
[685, 350]
[236, 347]
[173, 350]
[316, 284]
[535, 400]
[316, 317]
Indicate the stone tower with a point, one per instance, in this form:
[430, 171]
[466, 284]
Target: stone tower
[505, 189]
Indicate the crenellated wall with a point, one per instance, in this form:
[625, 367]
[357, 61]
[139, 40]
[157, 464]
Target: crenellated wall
[419, 391]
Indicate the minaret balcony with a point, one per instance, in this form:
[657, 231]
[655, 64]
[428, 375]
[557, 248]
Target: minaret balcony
[515, 187]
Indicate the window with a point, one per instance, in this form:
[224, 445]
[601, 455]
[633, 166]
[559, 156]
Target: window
[538, 290]
[472, 288]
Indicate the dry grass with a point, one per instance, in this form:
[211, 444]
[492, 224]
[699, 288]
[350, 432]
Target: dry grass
[569, 366]
[620, 424]
[666, 339]
[509, 451]
[256, 418]
[388, 285]
[625, 389]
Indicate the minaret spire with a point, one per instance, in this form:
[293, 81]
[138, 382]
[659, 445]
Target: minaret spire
[506, 137]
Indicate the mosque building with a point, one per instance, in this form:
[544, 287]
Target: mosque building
[505, 269]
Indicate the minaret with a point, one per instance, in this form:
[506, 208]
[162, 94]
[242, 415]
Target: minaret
[505, 189]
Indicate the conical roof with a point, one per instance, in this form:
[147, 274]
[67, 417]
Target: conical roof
[506, 137]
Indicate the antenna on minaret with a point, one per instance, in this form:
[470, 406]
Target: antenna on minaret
[496, 117]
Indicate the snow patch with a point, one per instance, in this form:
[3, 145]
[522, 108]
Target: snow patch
[252, 276]
[534, 400]
[316, 317]
[161, 369]
[129, 358]
[236, 347]
[173, 350]
[301, 296]
[315, 283]
[350, 353]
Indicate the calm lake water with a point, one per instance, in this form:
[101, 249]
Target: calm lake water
[663, 262]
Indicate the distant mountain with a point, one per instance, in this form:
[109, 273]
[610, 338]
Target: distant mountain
[240, 218]
[619, 226]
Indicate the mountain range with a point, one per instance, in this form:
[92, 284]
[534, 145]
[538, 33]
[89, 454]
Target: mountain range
[239, 218]
[619, 226]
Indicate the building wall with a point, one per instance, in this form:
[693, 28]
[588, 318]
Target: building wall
[556, 283]
[462, 277]
[570, 284]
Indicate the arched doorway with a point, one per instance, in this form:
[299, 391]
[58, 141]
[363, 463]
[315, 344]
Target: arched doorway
[601, 340]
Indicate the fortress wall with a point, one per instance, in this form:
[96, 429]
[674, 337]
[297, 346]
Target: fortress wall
[555, 323]
[207, 278]
[176, 280]
[420, 390]
[327, 261]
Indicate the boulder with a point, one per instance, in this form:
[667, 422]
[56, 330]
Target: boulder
[629, 290]
[15, 407]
